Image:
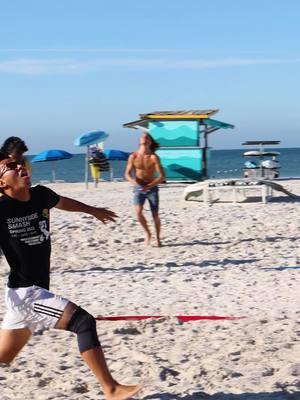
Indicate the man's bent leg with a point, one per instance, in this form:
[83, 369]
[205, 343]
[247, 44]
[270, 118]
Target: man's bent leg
[153, 199]
[95, 359]
[64, 320]
[156, 220]
[79, 321]
[143, 222]
[11, 343]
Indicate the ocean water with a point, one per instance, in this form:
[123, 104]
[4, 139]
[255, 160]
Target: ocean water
[71, 170]
[230, 163]
[222, 164]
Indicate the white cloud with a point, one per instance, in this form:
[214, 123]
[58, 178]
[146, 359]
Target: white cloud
[32, 66]
[234, 62]
[91, 50]
[37, 66]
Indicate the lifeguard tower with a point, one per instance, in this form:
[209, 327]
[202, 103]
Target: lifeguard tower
[261, 168]
[183, 140]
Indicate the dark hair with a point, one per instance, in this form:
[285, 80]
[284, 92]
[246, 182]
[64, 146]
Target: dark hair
[3, 155]
[154, 144]
[14, 143]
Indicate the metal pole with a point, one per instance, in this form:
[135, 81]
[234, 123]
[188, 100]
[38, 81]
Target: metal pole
[53, 171]
[204, 160]
[86, 177]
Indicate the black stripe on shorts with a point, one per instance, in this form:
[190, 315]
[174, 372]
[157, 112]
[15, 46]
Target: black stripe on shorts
[52, 312]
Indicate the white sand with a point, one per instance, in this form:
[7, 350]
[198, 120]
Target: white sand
[226, 259]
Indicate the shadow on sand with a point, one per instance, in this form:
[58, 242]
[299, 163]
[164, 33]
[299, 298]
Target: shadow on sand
[195, 242]
[172, 266]
[281, 268]
[227, 396]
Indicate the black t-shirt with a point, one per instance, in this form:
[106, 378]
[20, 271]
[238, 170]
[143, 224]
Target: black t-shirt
[25, 237]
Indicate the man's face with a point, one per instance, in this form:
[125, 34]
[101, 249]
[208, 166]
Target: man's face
[144, 139]
[14, 175]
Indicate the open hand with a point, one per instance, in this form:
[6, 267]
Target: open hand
[104, 215]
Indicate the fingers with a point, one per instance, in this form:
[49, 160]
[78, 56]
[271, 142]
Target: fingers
[110, 215]
[106, 215]
[109, 218]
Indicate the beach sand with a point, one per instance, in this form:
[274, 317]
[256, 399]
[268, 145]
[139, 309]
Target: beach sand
[240, 260]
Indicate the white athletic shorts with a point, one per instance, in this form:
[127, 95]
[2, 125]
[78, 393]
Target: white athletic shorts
[32, 307]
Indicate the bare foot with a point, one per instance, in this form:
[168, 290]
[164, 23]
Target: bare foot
[158, 243]
[147, 240]
[123, 392]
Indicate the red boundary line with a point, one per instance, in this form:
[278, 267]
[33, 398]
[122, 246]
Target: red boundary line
[181, 318]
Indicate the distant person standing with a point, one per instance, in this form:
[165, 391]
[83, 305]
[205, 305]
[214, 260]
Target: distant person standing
[145, 172]
[98, 163]
[14, 147]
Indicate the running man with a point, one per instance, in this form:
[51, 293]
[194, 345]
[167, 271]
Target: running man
[145, 172]
[30, 306]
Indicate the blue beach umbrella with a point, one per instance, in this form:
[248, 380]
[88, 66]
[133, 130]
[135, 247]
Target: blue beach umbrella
[51, 155]
[114, 154]
[88, 139]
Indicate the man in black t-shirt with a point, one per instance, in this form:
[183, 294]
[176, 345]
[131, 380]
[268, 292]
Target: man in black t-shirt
[25, 242]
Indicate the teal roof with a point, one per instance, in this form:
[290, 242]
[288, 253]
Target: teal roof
[216, 124]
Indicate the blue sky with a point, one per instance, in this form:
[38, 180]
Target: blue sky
[74, 66]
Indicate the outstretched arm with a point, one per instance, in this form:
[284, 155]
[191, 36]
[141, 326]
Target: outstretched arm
[103, 214]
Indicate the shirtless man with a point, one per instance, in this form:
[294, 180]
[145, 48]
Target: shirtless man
[145, 172]
[30, 306]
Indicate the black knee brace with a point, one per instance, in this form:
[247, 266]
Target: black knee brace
[84, 325]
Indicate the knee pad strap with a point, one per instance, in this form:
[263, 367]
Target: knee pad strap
[84, 325]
